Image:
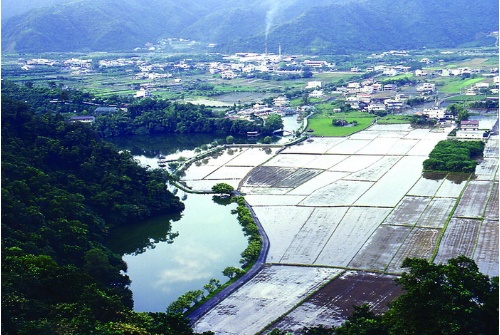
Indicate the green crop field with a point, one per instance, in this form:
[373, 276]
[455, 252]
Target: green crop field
[462, 98]
[455, 84]
[322, 126]
[394, 119]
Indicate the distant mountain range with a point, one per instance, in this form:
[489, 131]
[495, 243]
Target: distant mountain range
[299, 26]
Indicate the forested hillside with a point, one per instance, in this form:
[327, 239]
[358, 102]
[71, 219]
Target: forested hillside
[309, 27]
[62, 189]
[138, 117]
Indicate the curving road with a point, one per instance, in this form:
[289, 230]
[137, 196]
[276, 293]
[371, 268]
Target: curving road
[223, 294]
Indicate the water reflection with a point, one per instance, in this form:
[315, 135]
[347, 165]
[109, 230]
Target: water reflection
[134, 239]
[458, 178]
[150, 146]
[455, 177]
[153, 145]
[206, 239]
[434, 175]
[221, 200]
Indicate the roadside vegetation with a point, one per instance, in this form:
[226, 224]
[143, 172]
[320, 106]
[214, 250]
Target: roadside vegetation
[395, 119]
[190, 300]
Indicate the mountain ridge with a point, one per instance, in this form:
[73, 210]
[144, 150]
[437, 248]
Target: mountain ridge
[326, 26]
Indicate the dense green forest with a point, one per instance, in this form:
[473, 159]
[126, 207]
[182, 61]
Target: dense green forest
[454, 156]
[135, 117]
[151, 116]
[62, 189]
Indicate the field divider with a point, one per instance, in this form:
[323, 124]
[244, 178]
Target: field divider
[450, 216]
[307, 297]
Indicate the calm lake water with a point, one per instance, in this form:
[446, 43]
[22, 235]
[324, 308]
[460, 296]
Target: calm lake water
[170, 255]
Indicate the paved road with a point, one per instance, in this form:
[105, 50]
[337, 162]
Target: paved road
[223, 294]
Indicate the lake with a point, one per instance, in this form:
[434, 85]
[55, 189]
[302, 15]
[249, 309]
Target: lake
[170, 255]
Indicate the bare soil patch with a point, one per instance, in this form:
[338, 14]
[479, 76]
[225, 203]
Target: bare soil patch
[379, 250]
[408, 211]
[486, 253]
[419, 243]
[459, 239]
[436, 213]
[474, 200]
[272, 176]
[333, 303]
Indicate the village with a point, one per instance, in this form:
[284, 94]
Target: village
[385, 85]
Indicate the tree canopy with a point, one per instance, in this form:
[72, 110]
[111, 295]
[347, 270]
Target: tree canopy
[452, 298]
[223, 188]
[62, 189]
[439, 299]
[454, 156]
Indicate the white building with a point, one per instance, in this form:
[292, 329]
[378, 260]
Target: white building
[316, 94]
[426, 87]
[435, 113]
[391, 72]
[249, 68]
[313, 84]
[420, 73]
[142, 93]
[316, 63]
[364, 97]
[393, 103]
[469, 125]
[281, 101]
[228, 74]
[376, 107]
[469, 135]
[367, 89]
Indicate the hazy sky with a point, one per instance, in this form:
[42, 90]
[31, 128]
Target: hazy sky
[16, 7]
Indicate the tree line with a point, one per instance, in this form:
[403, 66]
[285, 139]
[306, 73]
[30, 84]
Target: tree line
[157, 116]
[135, 116]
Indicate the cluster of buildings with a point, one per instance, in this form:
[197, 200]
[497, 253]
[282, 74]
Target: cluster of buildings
[366, 95]
[371, 96]
[280, 107]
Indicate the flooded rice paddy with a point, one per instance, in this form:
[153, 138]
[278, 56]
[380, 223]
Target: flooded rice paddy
[340, 208]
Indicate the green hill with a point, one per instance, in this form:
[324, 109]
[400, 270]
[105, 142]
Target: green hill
[326, 26]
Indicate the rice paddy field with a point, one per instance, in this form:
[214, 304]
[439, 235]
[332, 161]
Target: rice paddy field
[341, 215]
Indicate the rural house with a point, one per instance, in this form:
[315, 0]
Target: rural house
[469, 125]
